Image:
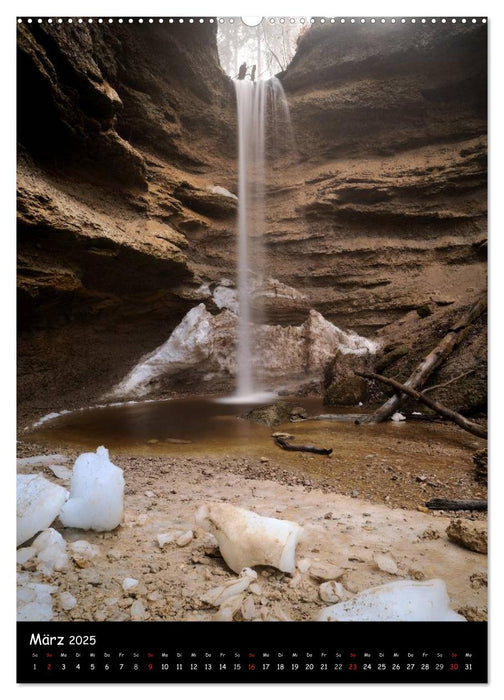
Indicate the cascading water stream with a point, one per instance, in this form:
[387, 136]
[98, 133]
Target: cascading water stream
[257, 103]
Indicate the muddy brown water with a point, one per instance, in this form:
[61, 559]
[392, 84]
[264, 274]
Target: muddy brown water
[207, 427]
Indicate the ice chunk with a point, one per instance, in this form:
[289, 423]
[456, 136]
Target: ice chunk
[38, 503]
[247, 539]
[24, 555]
[217, 189]
[51, 551]
[34, 602]
[61, 472]
[42, 460]
[217, 596]
[416, 601]
[398, 417]
[96, 493]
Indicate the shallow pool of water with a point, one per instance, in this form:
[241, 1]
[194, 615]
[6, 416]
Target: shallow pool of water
[205, 426]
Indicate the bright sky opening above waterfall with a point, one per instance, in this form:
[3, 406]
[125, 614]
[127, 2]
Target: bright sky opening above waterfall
[269, 46]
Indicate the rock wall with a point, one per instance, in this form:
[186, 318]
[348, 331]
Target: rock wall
[125, 131]
[390, 190]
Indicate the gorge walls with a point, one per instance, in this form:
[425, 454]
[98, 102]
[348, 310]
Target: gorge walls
[124, 131]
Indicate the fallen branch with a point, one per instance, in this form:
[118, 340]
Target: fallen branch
[457, 418]
[448, 504]
[450, 381]
[342, 417]
[302, 448]
[436, 357]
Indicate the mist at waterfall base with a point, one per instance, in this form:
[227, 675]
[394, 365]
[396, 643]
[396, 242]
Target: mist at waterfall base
[263, 116]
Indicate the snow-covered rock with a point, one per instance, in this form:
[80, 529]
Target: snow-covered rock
[38, 502]
[401, 601]
[96, 493]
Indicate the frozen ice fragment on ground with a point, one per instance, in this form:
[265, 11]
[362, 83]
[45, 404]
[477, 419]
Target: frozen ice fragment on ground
[61, 472]
[34, 603]
[25, 554]
[42, 460]
[418, 601]
[96, 493]
[398, 417]
[246, 539]
[51, 551]
[38, 503]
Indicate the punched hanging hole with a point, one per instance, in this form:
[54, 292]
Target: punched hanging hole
[251, 21]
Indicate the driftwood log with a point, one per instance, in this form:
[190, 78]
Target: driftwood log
[281, 442]
[457, 418]
[436, 357]
[450, 504]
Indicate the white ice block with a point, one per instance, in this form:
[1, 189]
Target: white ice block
[96, 493]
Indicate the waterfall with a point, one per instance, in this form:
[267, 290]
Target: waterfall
[262, 114]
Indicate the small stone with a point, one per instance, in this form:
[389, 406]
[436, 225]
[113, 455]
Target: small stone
[185, 538]
[150, 494]
[153, 596]
[328, 516]
[129, 584]
[354, 493]
[137, 611]
[331, 591]
[421, 478]
[264, 460]
[67, 600]
[423, 509]
[416, 574]
[114, 554]
[325, 571]
[385, 562]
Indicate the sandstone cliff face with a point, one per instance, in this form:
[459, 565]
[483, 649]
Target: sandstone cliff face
[390, 193]
[124, 131]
